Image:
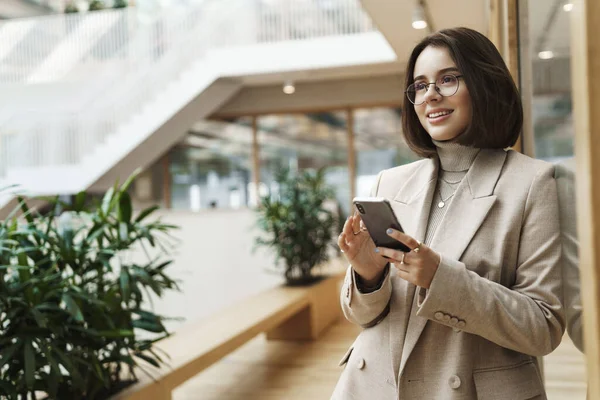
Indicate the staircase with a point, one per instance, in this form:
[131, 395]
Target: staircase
[87, 98]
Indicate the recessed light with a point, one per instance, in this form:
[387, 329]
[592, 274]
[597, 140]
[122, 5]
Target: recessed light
[289, 88]
[546, 54]
[568, 7]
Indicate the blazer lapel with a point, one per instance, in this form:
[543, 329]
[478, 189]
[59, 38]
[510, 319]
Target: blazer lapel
[411, 205]
[466, 212]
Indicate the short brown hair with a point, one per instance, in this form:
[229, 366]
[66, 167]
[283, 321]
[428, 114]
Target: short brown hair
[497, 117]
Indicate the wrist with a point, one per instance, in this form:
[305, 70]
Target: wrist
[371, 283]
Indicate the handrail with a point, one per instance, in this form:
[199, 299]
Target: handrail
[114, 62]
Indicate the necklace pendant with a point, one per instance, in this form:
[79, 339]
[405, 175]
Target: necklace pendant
[441, 204]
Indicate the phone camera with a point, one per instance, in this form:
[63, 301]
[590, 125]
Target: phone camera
[360, 208]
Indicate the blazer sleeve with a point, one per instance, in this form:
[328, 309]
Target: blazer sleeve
[565, 181]
[366, 309]
[527, 317]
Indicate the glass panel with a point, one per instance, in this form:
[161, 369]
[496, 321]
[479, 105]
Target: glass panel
[212, 167]
[546, 31]
[550, 69]
[305, 142]
[379, 145]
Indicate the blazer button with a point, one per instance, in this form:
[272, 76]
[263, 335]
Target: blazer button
[439, 315]
[446, 318]
[454, 382]
[361, 363]
[453, 321]
[461, 324]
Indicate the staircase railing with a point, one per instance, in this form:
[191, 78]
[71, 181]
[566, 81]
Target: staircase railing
[102, 68]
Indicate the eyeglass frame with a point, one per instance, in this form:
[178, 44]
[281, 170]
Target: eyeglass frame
[437, 89]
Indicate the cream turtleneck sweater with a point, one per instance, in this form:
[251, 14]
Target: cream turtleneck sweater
[455, 161]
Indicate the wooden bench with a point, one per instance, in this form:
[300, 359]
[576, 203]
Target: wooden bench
[283, 313]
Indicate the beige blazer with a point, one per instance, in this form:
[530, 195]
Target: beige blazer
[494, 303]
[565, 183]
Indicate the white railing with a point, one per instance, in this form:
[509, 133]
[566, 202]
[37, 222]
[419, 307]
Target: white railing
[98, 70]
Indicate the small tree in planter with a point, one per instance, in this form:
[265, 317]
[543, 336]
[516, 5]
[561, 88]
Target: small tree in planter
[96, 5]
[70, 301]
[71, 8]
[120, 4]
[298, 226]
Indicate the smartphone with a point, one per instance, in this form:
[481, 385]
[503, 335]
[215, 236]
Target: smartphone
[378, 216]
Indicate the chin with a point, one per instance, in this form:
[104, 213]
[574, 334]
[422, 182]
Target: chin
[443, 137]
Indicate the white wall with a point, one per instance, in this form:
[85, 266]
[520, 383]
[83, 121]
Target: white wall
[215, 263]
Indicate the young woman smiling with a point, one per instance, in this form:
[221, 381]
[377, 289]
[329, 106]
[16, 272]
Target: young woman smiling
[465, 313]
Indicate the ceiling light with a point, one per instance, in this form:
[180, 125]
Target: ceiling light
[418, 18]
[546, 55]
[288, 87]
[568, 6]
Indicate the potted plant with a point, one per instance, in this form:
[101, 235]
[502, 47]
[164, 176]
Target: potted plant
[73, 303]
[96, 5]
[120, 4]
[71, 8]
[297, 225]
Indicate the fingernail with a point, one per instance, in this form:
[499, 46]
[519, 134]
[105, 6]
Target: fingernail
[389, 231]
[376, 250]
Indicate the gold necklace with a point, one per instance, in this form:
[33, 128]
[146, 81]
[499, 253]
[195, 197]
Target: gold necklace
[443, 201]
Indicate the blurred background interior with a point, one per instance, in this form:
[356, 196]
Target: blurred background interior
[212, 97]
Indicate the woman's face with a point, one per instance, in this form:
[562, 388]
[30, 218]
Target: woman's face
[444, 118]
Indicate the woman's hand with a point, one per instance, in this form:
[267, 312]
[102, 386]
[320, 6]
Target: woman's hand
[417, 266]
[359, 250]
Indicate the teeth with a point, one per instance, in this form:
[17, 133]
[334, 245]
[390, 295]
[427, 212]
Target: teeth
[438, 114]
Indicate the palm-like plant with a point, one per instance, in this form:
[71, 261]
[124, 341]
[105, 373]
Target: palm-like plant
[96, 5]
[298, 225]
[70, 303]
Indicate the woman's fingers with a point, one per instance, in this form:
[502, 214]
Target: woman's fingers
[403, 238]
[356, 220]
[394, 256]
[342, 242]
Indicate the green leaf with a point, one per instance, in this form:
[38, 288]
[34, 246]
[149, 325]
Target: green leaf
[6, 355]
[29, 356]
[124, 283]
[107, 200]
[25, 210]
[148, 326]
[130, 179]
[72, 307]
[79, 203]
[123, 231]
[148, 359]
[39, 318]
[125, 208]
[144, 213]
[117, 333]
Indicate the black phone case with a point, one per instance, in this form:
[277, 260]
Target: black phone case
[377, 215]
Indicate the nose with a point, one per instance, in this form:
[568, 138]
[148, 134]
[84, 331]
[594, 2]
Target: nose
[431, 94]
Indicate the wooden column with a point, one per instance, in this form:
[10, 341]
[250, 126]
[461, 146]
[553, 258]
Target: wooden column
[495, 23]
[511, 50]
[504, 33]
[255, 159]
[526, 78]
[585, 70]
[351, 156]
[166, 174]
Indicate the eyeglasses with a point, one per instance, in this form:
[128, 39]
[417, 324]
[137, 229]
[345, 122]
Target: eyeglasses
[446, 86]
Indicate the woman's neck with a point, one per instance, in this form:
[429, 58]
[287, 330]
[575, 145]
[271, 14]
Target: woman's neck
[455, 157]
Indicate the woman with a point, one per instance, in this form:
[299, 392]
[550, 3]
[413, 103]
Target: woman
[464, 314]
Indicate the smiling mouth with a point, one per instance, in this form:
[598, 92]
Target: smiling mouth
[439, 114]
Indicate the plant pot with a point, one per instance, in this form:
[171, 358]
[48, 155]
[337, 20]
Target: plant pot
[304, 280]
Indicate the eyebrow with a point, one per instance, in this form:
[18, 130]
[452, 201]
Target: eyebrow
[441, 71]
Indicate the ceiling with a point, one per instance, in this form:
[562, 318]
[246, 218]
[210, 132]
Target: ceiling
[549, 27]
